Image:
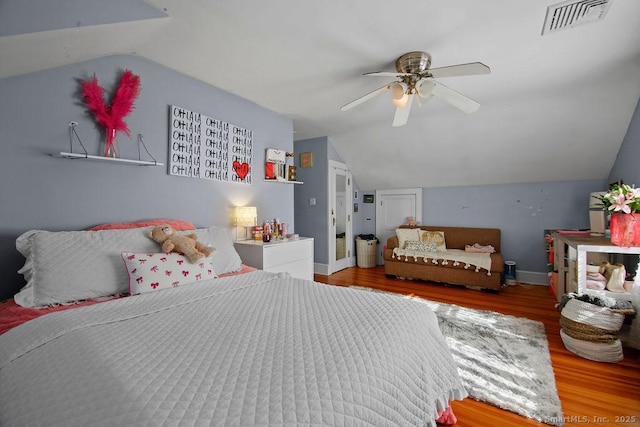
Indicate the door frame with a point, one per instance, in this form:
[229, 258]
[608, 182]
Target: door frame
[347, 261]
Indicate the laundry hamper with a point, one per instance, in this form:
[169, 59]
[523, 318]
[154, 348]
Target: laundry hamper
[366, 252]
[591, 331]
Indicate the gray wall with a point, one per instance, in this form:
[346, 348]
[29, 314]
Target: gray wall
[311, 220]
[521, 211]
[627, 168]
[43, 192]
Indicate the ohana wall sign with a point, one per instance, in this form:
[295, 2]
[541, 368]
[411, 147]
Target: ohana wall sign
[208, 148]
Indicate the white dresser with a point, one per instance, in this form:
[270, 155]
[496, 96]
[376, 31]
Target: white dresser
[292, 256]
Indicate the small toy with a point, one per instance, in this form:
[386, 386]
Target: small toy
[412, 222]
[186, 244]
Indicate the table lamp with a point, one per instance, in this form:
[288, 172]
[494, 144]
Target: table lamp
[244, 216]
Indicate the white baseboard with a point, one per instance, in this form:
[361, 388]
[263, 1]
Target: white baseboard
[321, 269]
[324, 268]
[532, 277]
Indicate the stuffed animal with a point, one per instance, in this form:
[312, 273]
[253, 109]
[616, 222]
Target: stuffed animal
[412, 222]
[186, 244]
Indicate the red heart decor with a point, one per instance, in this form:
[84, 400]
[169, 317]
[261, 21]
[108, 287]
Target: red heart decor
[241, 169]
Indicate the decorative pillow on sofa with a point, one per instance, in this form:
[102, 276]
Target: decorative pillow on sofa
[407, 234]
[67, 266]
[421, 246]
[150, 272]
[436, 237]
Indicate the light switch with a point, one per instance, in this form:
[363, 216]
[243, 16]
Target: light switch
[312, 201]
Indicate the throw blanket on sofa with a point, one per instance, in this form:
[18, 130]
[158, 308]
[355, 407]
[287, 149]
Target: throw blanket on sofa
[455, 256]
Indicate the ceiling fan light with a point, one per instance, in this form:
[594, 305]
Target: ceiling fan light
[425, 87]
[399, 94]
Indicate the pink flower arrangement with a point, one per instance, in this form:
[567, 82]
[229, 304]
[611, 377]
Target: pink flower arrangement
[621, 198]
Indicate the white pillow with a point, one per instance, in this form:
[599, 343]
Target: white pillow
[225, 258]
[150, 272]
[69, 266]
[407, 234]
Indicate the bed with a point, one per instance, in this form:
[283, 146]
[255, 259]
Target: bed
[239, 347]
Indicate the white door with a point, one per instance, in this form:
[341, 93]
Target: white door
[340, 225]
[392, 209]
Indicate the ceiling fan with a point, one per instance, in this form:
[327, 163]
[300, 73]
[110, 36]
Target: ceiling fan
[417, 79]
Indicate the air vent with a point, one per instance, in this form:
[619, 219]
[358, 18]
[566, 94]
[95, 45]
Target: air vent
[572, 13]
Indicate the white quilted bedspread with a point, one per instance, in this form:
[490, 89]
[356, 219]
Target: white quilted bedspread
[254, 349]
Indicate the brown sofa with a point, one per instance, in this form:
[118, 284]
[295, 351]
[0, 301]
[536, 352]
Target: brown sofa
[455, 238]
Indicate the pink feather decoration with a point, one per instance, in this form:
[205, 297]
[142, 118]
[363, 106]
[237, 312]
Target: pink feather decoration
[112, 117]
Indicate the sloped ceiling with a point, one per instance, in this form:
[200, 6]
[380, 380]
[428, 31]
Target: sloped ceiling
[554, 108]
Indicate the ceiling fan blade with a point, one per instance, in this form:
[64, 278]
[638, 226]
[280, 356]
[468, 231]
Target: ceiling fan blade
[364, 98]
[388, 74]
[454, 98]
[460, 70]
[402, 113]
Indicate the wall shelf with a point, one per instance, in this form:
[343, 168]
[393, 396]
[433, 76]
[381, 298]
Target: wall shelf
[282, 181]
[66, 155]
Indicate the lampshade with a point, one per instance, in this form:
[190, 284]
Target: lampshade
[399, 94]
[245, 216]
[425, 87]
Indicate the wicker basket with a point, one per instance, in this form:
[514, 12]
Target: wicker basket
[593, 315]
[610, 352]
[591, 331]
[366, 252]
[581, 331]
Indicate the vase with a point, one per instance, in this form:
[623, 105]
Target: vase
[110, 148]
[625, 229]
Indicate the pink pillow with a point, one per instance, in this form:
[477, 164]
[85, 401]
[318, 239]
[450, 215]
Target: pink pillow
[176, 224]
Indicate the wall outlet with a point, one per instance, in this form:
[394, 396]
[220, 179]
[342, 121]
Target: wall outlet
[312, 201]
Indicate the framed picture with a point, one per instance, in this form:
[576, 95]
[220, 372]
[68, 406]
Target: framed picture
[306, 160]
[367, 198]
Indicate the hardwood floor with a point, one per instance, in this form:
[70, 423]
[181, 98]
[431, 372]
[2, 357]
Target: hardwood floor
[591, 392]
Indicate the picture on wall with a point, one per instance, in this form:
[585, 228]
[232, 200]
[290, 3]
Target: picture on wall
[367, 198]
[306, 160]
[208, 148]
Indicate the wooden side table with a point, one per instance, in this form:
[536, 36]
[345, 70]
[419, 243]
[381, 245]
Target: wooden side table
[576, 247]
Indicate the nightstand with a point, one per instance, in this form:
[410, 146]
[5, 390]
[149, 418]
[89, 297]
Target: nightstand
[293, 256]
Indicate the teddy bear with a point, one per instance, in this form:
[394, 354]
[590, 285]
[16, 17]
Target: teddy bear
[186, 244]
[411, 222]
